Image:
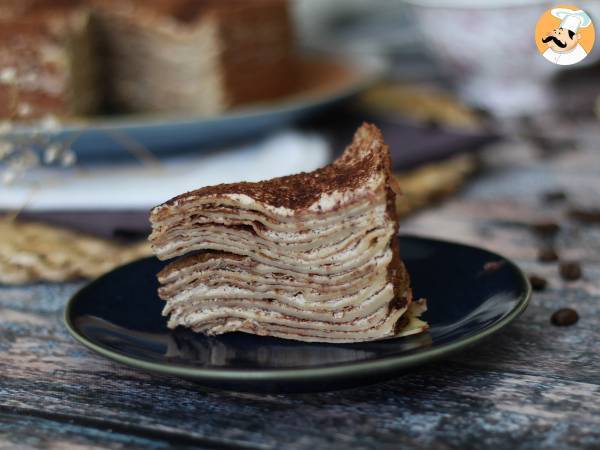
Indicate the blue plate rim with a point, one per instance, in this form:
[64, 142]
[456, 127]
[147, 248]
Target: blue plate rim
[341, 370]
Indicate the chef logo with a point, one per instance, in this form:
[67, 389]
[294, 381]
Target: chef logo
[565, 35]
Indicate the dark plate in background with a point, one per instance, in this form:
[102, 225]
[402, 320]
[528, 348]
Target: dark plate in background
[411, 143]
[119, 316]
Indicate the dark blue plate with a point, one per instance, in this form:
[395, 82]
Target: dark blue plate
[119, 316]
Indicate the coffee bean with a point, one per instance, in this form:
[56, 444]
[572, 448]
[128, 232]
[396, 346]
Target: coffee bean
[570, 270]
[587, 216]
[554, 196]
[564, 317]
[537, 283]
[492, 266]
[547, 254]
[546, 228]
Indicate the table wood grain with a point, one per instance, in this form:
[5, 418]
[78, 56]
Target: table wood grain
[531, 386]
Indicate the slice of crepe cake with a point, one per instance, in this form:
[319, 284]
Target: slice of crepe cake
[311, 257]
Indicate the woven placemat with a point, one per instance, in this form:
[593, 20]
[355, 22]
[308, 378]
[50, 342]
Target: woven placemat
[31, 252]
[432, 182]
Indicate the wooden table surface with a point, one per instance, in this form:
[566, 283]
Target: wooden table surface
[532, 385]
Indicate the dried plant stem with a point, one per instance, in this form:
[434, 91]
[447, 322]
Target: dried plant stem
[44, 140]
[12, 216]
[134, 148]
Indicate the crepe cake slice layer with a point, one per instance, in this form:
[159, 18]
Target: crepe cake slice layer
[311, 257]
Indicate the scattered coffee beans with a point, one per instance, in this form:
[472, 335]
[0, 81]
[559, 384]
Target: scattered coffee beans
[587, 216]
[546, 228]
[547, 254]
[570, 270]
[537, 283]
[564, 317]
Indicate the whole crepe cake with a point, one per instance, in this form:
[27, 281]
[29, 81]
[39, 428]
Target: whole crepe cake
[311, 257]
[71, 58]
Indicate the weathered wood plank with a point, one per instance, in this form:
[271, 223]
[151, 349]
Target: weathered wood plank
[29, 431]
[442, 404]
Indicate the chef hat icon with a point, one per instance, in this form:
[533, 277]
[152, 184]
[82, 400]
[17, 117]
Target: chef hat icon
[570, 19]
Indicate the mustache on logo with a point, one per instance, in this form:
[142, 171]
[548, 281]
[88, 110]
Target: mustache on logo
[555, 40]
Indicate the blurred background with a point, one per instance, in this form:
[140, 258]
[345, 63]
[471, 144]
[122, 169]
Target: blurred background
[111, 107]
